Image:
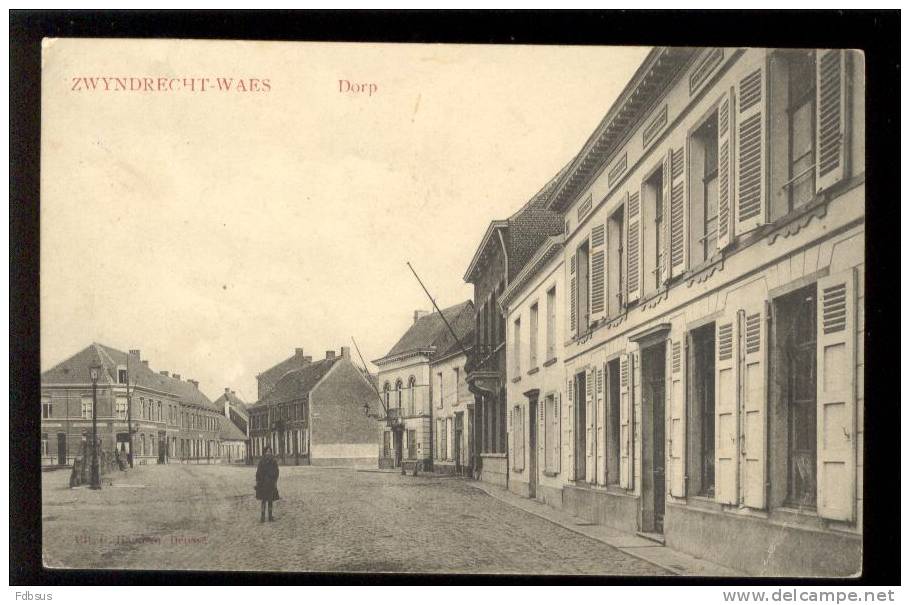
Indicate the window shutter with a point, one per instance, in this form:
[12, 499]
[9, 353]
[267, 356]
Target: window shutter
[751, 154]
[836, 414]
[542, 444]
[726, 410]
[755, 415]
[663, 268]
[597, 274]
[590, 477]
[633, 248]
[512, 447]
[568, 442]
[830, 84]
[676, 446]
[625, 423]
[573, 295]
[600, 429]
[724, 171]
[557, 432]
[677, 219]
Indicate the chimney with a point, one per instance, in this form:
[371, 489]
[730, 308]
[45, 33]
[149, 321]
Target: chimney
[176, 376]
[227, 390]
[195, 383]
[135, 353]
[418, 314]
[298, 353]
[145, 362]
[330, 354]
[163, 372]
[346, 352]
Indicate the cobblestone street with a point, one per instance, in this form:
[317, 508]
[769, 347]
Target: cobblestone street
[205, 517]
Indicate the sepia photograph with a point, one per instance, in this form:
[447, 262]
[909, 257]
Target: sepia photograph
[452, 308]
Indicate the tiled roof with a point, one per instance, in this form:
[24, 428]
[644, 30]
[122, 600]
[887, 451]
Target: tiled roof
[75, 370]
[429, 333]
[278, 370]
[230, 432]
[297, 384]
[236, 401]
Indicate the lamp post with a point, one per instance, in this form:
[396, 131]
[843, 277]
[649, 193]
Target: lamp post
[96, 475]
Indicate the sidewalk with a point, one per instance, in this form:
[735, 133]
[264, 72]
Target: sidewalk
[671, 560]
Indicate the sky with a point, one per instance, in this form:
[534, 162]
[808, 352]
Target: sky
[217, 231]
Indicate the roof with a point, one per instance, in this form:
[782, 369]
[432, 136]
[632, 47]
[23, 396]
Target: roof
[298, 383]
[230, 432]
[546, 251]
[234, 400]
[430, 334]
[294, 362]
[75, 370]
[523, 232]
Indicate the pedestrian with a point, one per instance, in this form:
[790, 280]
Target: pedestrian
[267, 482]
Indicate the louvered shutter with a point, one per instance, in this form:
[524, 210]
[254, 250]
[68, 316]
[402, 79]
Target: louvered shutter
[600, 431]
[633, 248]
[663, 268]
[726, 410]
[573, 295]
[568, 442]
[625, 423]
[836, 415]
[510, 426]
[755, 414]
[831, 85]
[751, 153]
[590, 477]
[597, 275]
[557, 432]
[725, 171]
[542, 444]
[676, 446]
[678, 218]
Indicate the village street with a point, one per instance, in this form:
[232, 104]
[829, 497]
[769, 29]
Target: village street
[206, 518]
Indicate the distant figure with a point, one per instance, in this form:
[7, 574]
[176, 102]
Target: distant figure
[267, 482]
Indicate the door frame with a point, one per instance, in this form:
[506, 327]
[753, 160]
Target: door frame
[533, 461]
[652, 507]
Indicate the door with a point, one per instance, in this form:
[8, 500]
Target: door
[653, 363]
[532, 447]
[61, 449]
[456, 438]
[162, 448]
[580, 428]
[396, 438]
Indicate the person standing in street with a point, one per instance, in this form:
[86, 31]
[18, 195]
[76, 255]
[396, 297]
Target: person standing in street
[267, 482]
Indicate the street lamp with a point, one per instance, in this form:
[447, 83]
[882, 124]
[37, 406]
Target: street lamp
[95, 371]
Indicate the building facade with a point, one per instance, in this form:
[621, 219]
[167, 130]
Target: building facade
[453, 404]
[316, 415]
[266, 379]
[505, 248]
[406, 375]
[170, 420]
[533, 303]
[714, 259]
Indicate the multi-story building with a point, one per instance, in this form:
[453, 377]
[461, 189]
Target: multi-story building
[533, 304]
[170, 419]
[234, 432]
[452, 406]
[407, 374]
[714, 257]
[505, 248]
[317, 414]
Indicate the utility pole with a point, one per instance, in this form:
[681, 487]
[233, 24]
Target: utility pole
[129, 411]
[435, 306]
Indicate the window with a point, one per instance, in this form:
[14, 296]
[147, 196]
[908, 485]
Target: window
[551, 323]
[700, 366]
[450, 439]
[121, 408]
[387, 444]
[703, 191]
[159, 412]
[653, 236]
[412, 444]
[794, 376]
[582, 300]
[47, 408]
[412, 396]
[456, 384]
[439, 383]
[613, 422]
[616, 267]
[443, 437]
[87, 407]
[551, 433]
[385, 392]
[532, 342]
[122, 375]
[44, 446]
[398, 393]
[518, 439]
[516, 348]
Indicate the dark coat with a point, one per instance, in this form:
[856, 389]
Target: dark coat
[267, 479]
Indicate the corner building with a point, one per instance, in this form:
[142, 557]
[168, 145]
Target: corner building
[713, 358]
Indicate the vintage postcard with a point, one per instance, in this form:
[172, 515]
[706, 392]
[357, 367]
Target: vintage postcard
[461, 309]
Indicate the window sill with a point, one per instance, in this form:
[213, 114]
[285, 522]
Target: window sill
[550, 474]
[549, 362]
[533, 371]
